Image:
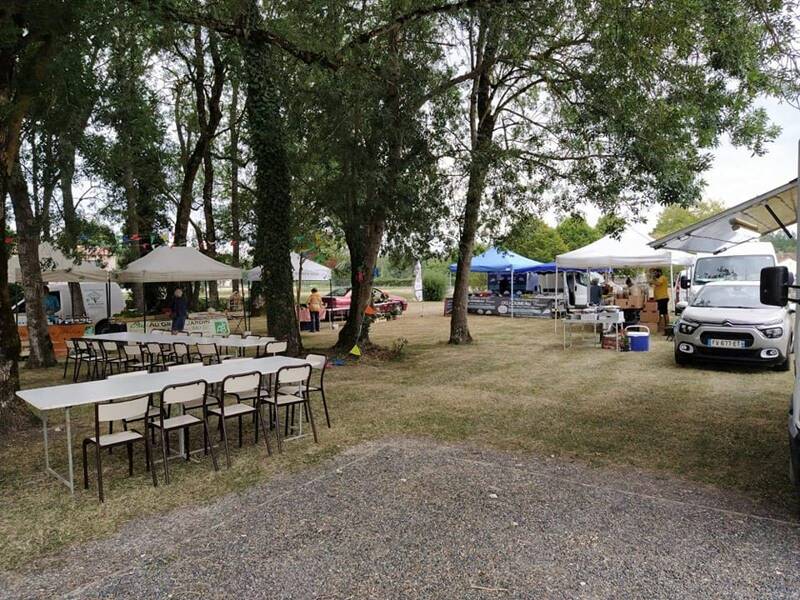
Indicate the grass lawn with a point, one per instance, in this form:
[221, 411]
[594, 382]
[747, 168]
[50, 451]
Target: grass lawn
[513, 389]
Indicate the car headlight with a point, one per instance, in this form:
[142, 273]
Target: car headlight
[772, 332]
[687, 327]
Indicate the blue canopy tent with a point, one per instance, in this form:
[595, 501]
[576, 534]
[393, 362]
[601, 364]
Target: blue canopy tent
[549, 268]
[495, 260]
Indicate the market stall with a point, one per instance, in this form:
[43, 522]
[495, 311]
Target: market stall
[172, 264]
[508, 284]
[56, 267]
[629, 249]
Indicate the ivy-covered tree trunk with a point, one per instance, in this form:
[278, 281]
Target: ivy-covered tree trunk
[233, 153]
[273, 202]
[482, 124]
[41, 347]
[12, 410]
[132, 226]
[363, 243]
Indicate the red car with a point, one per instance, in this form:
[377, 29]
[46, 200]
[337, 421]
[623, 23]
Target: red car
[339, 301]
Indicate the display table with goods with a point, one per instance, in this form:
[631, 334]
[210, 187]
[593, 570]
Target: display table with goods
[59, 333]
[208, 323]
[605, 322]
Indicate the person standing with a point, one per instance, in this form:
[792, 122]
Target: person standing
[315, 306]
[179, 311]
[661, 295]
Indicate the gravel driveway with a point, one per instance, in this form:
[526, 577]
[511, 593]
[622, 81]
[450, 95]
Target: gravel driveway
[415, 519]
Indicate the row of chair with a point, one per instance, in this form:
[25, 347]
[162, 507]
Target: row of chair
[237, 396]
[102, 357]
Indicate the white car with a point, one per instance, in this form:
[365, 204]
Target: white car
[727, 322]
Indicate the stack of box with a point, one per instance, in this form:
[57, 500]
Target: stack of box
[649, 314]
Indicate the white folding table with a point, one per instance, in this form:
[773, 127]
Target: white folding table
[115, 388]
[128, 337]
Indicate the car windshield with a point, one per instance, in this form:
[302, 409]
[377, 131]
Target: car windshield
[730, 268]
[339, 292]
[729, 296]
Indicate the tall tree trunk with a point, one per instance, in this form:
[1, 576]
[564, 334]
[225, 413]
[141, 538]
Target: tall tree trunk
[363, 243]
[273, 193]
[71, 224]
[208, 116]
[12, 410]
[208, 212]
[480, 161]
[41, 347]
[236, 228]
[132, 225]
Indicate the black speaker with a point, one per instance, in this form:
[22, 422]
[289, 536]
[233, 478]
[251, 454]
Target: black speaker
[775, 286]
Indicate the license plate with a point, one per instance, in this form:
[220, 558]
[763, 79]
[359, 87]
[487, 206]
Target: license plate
[726, 343]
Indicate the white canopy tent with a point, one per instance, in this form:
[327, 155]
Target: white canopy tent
[179, 263]
[630, 249]
[56, 267]
[311, 271]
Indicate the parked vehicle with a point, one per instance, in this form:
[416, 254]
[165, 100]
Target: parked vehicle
[339, 301]
[739, 263]
[94, 299]
[575, 283]
[726, 321]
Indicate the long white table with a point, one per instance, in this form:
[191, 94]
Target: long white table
[129, 337]
[89, 393]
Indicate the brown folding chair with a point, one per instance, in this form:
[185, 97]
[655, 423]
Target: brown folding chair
[108, 413]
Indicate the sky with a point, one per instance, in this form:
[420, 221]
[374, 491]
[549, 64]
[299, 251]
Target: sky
[736, 175]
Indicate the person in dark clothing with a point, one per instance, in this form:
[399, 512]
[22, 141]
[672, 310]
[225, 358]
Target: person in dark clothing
[179, 310]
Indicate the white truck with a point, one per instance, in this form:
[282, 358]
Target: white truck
[94, 299]
[742, 262]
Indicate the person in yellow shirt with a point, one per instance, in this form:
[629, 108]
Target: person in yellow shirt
[661, 295]
[315, 306]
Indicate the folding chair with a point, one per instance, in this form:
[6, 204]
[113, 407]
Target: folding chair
[180, 395]
[318, 362]
[74, 353]
[294, 379]
[246, 386]
[108, 413]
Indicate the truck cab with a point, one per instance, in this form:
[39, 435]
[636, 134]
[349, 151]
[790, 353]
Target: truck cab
[742, 262]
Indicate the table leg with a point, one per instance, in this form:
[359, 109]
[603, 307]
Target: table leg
[71, 483]
[46, 445]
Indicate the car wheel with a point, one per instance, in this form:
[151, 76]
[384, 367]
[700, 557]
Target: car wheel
[681, 358]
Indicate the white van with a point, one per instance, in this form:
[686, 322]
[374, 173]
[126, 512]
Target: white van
[94, 299]
[739, 263]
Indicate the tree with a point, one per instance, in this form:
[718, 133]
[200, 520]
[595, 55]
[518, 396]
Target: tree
[676, 217]
[29, 33]
[576, 232]
[616, 105]
[534, 238]
[273, 203]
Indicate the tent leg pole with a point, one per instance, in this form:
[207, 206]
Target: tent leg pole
[671, 286]
[555, 304]
[512, 292]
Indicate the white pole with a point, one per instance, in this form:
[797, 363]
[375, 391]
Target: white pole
[555, 303]
[671, 284]
[796, 393]
[512, 292]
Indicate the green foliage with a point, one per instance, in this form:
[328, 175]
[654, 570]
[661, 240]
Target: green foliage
[576, 232]
[434, 287]
[676, 217]
[781, 242]
[532, 237]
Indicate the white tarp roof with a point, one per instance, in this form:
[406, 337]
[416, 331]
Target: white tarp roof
[630, 249]
[57, 267]
[311, 271]
[178, 263]
[746, 221]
